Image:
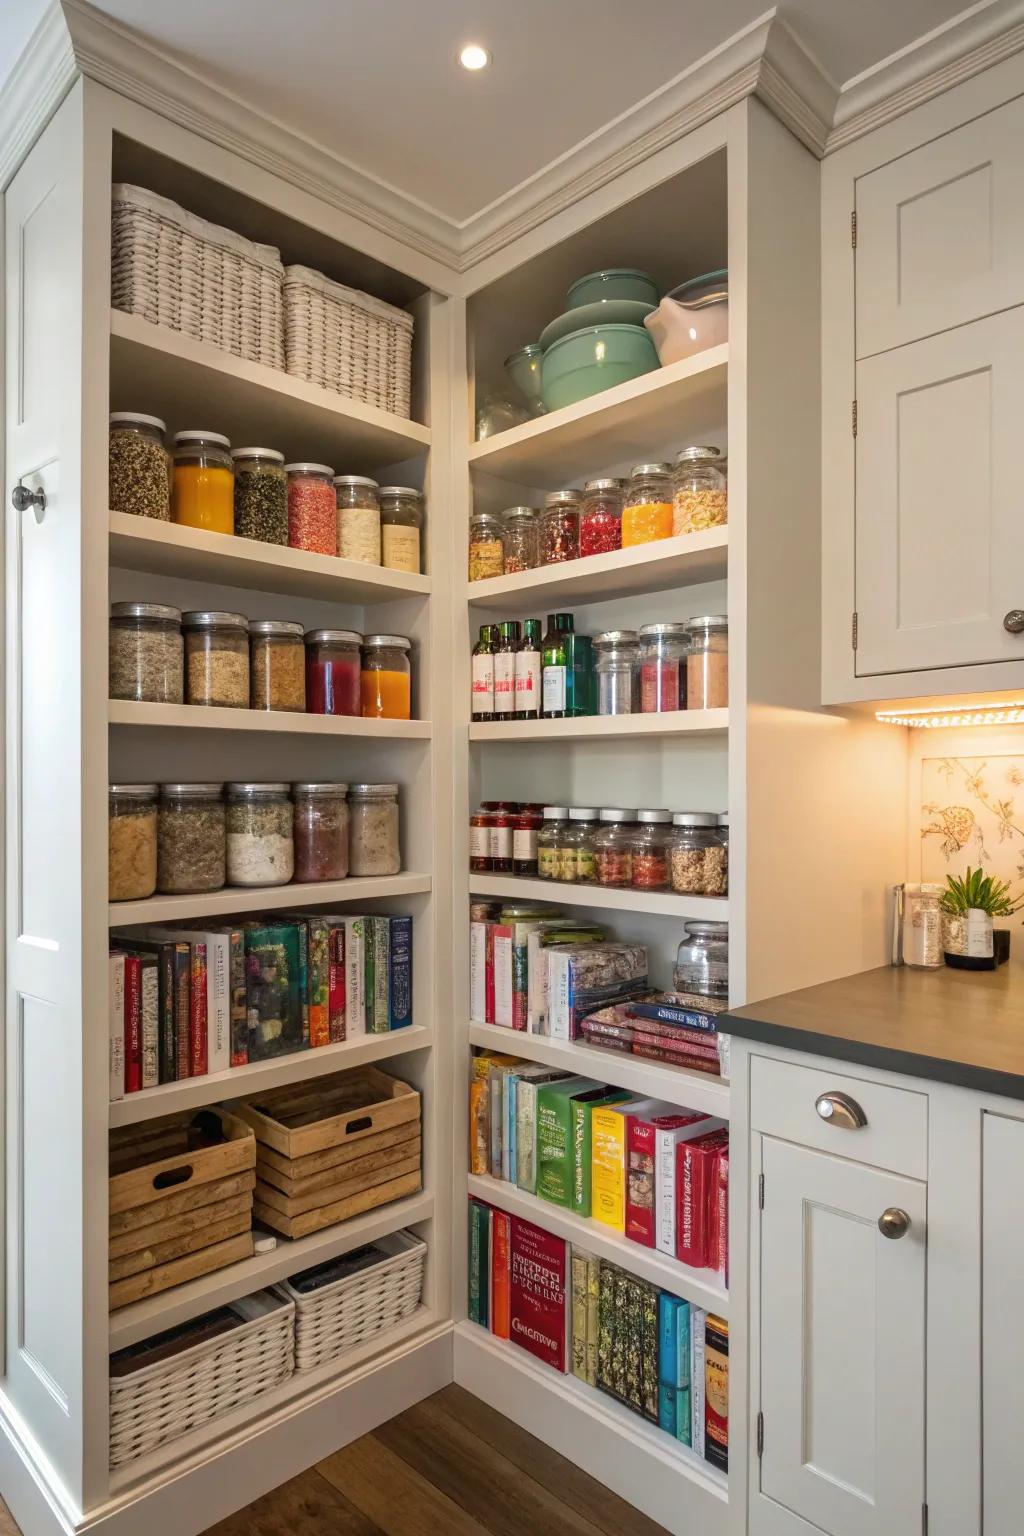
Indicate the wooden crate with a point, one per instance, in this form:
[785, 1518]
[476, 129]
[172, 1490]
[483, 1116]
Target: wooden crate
[341, 1210]
[332, 1112]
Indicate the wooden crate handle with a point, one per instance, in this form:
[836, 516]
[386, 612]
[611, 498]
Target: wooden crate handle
[360, 1124]
[172, 1176]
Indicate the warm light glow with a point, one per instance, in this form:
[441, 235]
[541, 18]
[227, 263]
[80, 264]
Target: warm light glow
[955, 715]
[474, 57]
[693, 333]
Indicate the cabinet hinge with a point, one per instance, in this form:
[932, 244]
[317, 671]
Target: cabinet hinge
[853, 630]
[853, 417]
[760, 1434]
[760, 1190]
[853, 229]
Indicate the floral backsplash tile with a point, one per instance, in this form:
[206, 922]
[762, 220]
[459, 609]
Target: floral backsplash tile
[972, 812]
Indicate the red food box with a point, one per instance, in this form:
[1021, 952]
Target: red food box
[719, 1254]
[641, 1150]
[537, 1292]
[695, 1170]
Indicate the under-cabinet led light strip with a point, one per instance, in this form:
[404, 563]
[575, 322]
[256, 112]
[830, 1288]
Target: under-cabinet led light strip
[959, 715]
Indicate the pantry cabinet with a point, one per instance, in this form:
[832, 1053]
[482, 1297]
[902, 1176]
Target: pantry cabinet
[1002, 1323]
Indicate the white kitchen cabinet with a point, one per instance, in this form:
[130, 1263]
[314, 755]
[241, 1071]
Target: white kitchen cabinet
[1002, 1322]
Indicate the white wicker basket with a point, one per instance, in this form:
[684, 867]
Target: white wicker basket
[347, 341]
[178, 270]
[340, 1317]
[161, 1401]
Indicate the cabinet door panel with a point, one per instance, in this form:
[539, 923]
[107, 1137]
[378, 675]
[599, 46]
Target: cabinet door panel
[841, 1345]
[1002, 1323]
[940, 500]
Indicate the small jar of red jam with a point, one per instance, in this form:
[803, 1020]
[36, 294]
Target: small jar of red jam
[525, 827]
[613, 847]
[480, 839]
[332, 672]
[650, 850]
[601, 519]
[501, 836]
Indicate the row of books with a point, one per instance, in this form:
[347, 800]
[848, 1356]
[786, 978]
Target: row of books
[657, 1354]
[187, 1002]
[655, 1172]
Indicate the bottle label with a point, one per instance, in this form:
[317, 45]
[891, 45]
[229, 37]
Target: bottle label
[524, 845]
[505, 683]
[528, 682]
[554, 689]
[400, 547]
[479, 842]
[500, 841]
[547, 862]
[483, 685]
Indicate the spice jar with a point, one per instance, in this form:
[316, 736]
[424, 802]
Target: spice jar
[312, 509]
[203, 489]
[525, 828]
[617, 664]
[650, 850]
[138, 466]
[216, 659]
[190, 839]
[601, 521]
[520, 540]
[698, 858]
[401, 519]
[373, 836]
[662, 671]
[500, 838]
[321, 831]
[486, 551]
[480, 838]
[260, 835]
[698, 491]
[386, 678]
[131, 841]
[261, 495]
[277, 665]
[560, 527]
[702, 961]
[707, 663]
[548, 839]
[613, 847]
[647, 508]
[333, 671]
[145, 655]
[357, 511]
[575, 850]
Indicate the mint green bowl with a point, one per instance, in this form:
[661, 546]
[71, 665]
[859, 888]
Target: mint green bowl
[586, 362]
[613, 283]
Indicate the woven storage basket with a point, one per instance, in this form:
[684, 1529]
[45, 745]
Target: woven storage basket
[347, 341]
[178, 270]
[340, 1317]
[161, 1401]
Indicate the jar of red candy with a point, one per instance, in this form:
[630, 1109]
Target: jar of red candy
[662, 667]
[601, 520]
[650, 847]
[613, 847]
[560, 527]
[312, 508]
[333, 685]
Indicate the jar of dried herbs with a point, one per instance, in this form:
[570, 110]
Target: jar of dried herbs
[260, 835]
[216, 659]
[261, 495]
[190, 839]
[277, 665]
[321, 831]
[139, 466]
[131, 836]
[145, 653]
[373, 837]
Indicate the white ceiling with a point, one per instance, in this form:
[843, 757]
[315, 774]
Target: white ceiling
[376, 81]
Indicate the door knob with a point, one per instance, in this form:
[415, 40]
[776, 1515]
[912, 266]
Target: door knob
[22, 498]
[1013, 621]
[894, 1222]
[839, 1109]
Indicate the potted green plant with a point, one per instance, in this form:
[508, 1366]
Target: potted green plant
[968, 907]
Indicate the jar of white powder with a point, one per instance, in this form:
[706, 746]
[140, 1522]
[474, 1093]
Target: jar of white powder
[373, 830]
[260, 844]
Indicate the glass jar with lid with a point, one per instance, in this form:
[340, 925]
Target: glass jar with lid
[190, 839]
[386, 678]
[707, 663]
[702, 961]
[613, 847]
[647, 506]
[321, 831]
[357, 511]
[312, 508]
[919, 931]
[138, 466]
[617, 665]
[203, 490]
[261, 495]
[662, 667]
[486, 547]
[131, 841]
[260, 834]
[145, 653]
[698, 491]
[520, 540]
[277, 665]
[601, 518]
[401, 520]
[559, 528]
[333, 672]
[575, 850]
[500, 835]
[216, 658]
[548, 838]
[697, 854]
[480, 837]
[526, 824]
[650, 846]
[374, 846]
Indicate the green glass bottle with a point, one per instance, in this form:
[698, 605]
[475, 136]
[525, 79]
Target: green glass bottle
[482, 693]
[528, 672]
[554, 660]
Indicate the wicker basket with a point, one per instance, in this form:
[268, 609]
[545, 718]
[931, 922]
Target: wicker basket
[347, 341]
[179, 271]
[161, 1401]
[339, 1317]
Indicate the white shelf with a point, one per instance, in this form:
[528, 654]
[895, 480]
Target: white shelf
[653, 1079]
[685, 561]
[610, 898]
[155, 1313]
[701, 1286]
[265, 898]
[192, 717]
[188, 382]
[170, 549]
[679, 404]
[259, 1076]
[679, 722]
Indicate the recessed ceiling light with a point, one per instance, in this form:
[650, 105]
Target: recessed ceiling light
[474, 57]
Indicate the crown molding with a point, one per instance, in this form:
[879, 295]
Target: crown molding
[34, 90]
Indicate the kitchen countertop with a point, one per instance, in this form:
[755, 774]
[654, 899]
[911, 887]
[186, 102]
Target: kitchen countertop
[963, 1027]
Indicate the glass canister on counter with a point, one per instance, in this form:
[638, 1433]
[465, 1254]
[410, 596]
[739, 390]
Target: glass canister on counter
[216, 658]
[699, 495]
[333, 672]
[374, 846]
[320, 831]
[650, 850]
[560, 527]
[548, 838]
[138, 466]
[401, 525]
[190, 839]
[617, 667]
[698, 856]
[357, 512]
[919, 926]
[662, 667]
[261, 495]
[277, 665]
[647, 506]
[702, 962]
[203, 485]
[486, 549]
[146, 653]
[386, 678]
[707, 662]
[613, 847]
[260, 834]
[601, 518]
[520, 540]
[312, 509]
[131, 841]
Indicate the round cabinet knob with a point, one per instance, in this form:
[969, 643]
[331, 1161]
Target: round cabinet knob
[1013, 621]
[22, 498]
[894, 1222]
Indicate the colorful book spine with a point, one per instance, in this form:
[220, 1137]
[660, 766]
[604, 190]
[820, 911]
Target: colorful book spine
[478, 972]
[168, 1052]
[377, 1001]
[718, 1257]
[664, 1013]
[521, 972]
[218, 1003]
[149, 1020]
[697, 1324]
[539, 1297]
[116, 1026]
[509, 1127]
[477, 1297]
[668, 1418]
[479, 1126]
[336, 984]
[132, 1024]
[668, 1340]
[524, 1164]
[355, 978]
[608, 1125]
[606, 1327]
[579, 1314]
[670, 1132]
[555, 1167]
[198, 1050]
[649, 1350]
[501, 939]
[694, 1184]
[501, 1278]
[489, 972]
[238, 1030]
[640, 1216]
[593, 1316]
[400, 973]
[182, 1008]
[319, 942]
[716, 1392]
[582, 1144]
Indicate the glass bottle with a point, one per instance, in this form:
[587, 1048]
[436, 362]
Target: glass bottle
[505, 670]
[555, 817]
[601, 520]
[528, 672]
[357, 518]
[560, 527]
[613, 847]
[555, 667]
[520, 540]
[482, 686]
[203, 487]
[385, 678]
[707, 663]
[486, 551]
[401, 521]
[698, 491]
[662, 668]
[647, 508]
[650, 850]
[579, 677]
[617, 667]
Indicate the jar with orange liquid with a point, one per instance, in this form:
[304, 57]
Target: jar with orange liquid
[386, 678]
[647, 507]
[203, 482]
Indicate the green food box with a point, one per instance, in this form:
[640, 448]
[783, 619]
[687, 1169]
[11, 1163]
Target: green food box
[555, 1169]
[580, 1108]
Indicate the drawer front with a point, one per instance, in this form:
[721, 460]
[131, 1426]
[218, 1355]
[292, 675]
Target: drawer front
[784, 1099]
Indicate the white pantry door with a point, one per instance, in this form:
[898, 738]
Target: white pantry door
[1002, 1322]
[842, 1341]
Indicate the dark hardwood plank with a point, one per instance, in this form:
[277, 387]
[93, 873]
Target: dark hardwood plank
[308, 1505]
[397, 1498]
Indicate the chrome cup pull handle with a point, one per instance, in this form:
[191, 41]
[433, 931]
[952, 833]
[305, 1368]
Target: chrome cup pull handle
[840, 1110]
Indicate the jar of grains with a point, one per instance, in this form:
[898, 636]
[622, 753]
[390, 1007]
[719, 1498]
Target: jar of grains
[548, 841]
[560, 527]
[386, 678]
[707, 663]
[613, 847]
[374, 847]
[203, 491]
[401, 519]
[519, 540]
[647, 507]
[145, 656]
[139, 466]
[617, 664]
[261, 495]
[321, 831]
[486, 551]
[333, 671]
[698, 491]
[576, 853]
[702, 962]
[312, 508]
[277, 665]
[601, 521]
[662, 667]
[216, 659]
[651, 839]
[131, 838]
[357, 510]
[190, 839]
[697, 857]
[260, 835]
